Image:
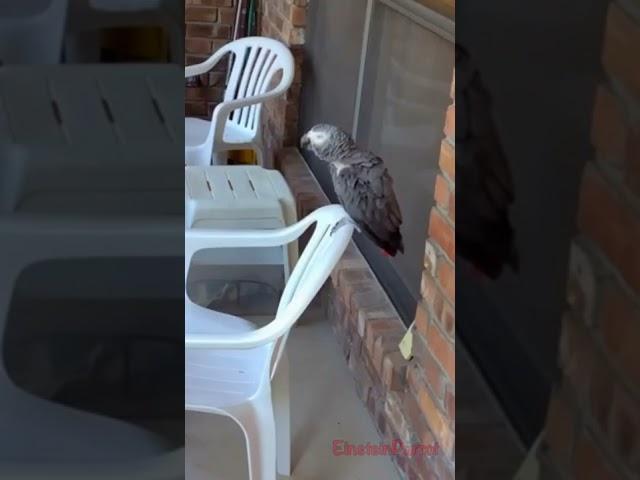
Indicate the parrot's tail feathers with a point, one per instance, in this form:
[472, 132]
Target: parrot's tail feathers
[390, 246]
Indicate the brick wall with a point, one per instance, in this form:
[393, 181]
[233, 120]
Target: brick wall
[209, 25]
[413, 401]
[593, 423]
[284, 20]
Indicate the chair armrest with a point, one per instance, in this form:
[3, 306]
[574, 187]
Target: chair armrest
[233, 341]
[203, 238]
[223, 110]
[207, 65]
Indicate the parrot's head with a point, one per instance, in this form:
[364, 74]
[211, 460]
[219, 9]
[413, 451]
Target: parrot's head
[326, 141]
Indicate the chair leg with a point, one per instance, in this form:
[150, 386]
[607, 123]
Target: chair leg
[219, 158]
[260, 156]
[258, 424]
[282, 413]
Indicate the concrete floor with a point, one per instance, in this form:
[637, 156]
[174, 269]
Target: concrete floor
[324, 407]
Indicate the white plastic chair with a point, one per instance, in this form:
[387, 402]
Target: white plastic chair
[32, 31]
[235, 123]
[230, 364]
[39, 431]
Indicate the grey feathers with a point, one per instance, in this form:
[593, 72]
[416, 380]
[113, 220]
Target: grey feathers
[362, 183]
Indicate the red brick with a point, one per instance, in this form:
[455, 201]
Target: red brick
[214, 94]
[442, 349]
[589, 462]
[621, 331]
[350, 279]
[384, 345]
[193, 14]
[378, 328]
[612, 223]
[443, 233]
[450, 122]
[218, 3]
[442, 193]
[621, 47]
[447, 279]
[436, 419]
[447, 160]
[431, 294]
[412, 408]
[208, 30]
[394, 371]
[195, 109]
[372, 298]
[397, 420]
[560, 428]
[227, 16]
[609, 130]
[448, 319]
[368, 314]
[194, 94]
[198, 45]
[421, 319]
[433, 373]
[298, 16]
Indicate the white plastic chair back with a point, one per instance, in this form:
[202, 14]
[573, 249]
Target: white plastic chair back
[256, 62]
[322, 253]
[235, 122]
[32, 31]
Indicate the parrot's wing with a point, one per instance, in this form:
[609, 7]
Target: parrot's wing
[385, 197]
[366, 190]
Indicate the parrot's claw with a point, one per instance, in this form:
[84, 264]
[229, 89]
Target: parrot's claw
[342, 223]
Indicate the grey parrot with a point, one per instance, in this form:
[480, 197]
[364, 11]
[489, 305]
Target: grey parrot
[362, 183]
[484, 235]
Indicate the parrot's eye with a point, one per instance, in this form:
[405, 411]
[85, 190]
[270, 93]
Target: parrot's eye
[318, 138]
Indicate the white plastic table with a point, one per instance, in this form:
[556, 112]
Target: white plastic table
[133, 105]
[234, 196]
[90, 138]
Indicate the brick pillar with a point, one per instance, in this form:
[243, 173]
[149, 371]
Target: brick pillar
[209, 25]
[285, 21]
[431, 373]
[593, 422]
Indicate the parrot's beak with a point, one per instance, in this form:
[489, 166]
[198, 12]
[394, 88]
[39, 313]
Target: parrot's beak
[305, 142]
